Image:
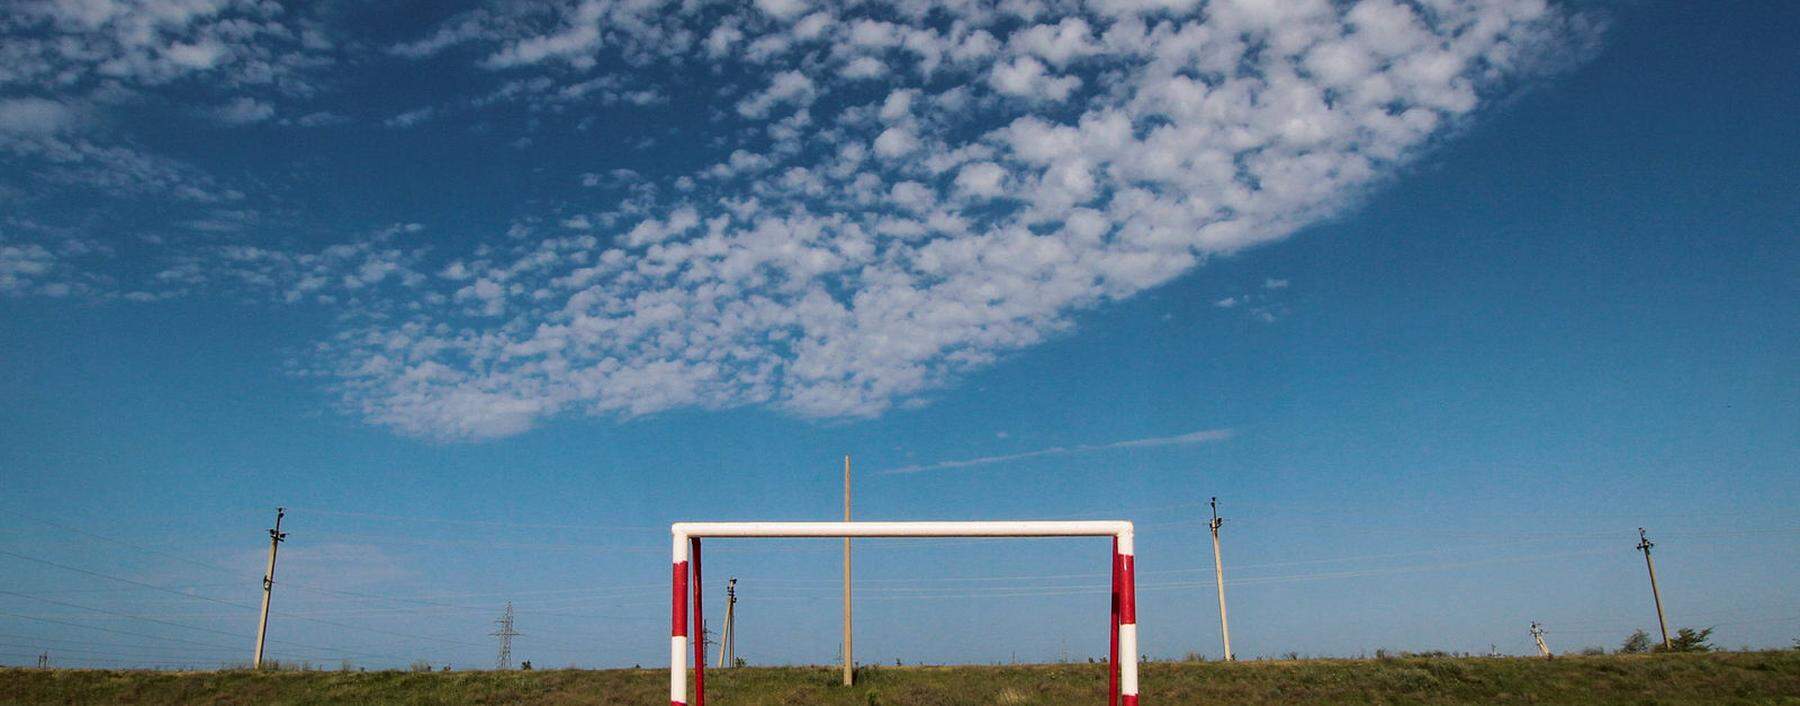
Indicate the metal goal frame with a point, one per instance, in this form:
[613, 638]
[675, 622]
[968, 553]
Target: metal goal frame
[1122, 658]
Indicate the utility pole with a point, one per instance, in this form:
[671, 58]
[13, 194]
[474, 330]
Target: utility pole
[1219, 575]
[1644, 544]
[849, 653]
[43, 660]
[1537, 635]
[728, 637]
[276, 537]
[506, 634]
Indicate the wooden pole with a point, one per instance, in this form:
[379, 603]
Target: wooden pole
[1645, 544]
[262, 626]
[849, 659]
[1219, 576]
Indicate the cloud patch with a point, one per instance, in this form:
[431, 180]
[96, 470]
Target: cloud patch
[852, 254]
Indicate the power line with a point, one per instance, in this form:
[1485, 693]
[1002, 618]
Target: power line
[117, 631]
[245, 606]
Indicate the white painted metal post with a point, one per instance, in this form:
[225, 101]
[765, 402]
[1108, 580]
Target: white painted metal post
[1128, 634]
[678, 630]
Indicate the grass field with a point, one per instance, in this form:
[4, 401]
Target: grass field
[1717, 678]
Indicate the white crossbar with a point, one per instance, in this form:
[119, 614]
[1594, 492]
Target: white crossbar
[1038, 528]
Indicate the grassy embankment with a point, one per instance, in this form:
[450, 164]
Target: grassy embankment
[1718, 678]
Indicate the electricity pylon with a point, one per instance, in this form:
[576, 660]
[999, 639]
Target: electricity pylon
[1537, 635]
[506, 634]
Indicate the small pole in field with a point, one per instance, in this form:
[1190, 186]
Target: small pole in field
[1219, 575]
[1537, 635]
[1644, 545]
[728, 637]
[849, 652]
[276, 537]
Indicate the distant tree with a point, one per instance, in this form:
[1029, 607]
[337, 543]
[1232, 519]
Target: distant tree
[1691, 640]
[525, 666]
[1592, 651]
[1637, 644]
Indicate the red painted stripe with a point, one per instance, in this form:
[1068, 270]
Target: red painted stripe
[1127, 590]
[1130, 700]
[679, 614]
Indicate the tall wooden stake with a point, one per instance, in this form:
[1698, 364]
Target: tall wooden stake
[849, 659]
[1219, 575]
[1644, 544]
[262, 628]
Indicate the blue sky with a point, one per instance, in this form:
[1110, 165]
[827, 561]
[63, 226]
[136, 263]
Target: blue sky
[1443, 303]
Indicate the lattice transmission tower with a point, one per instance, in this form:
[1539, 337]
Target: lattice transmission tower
[506, 633]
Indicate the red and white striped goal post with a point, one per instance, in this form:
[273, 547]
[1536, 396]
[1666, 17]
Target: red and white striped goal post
[1122, 674]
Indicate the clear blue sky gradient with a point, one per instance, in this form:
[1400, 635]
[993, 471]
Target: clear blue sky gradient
[1575, 317]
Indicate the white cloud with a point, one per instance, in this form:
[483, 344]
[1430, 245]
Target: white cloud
[981, 179]
[574, 43]
[787, 87]
[35, 116]
[410, 117]
[839, 257]
[864, 67]
[229, 42]
[782, 9]
[244, 111]
[323, 118]
[1204, 436]
[895, 142]
[1026, 77]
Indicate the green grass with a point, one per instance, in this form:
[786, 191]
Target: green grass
[1717, 678]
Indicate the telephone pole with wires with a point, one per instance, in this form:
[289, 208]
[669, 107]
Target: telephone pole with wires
[728, 636]
[1219, 576]
[276, 537]
[506, 633]
[1644, 545]
[1537, 635]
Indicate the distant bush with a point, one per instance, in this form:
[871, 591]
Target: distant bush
[1592, 651]
[1690, 640]
[1637, 644]
[420, 665]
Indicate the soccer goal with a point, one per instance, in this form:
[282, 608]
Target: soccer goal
[1122, 672]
